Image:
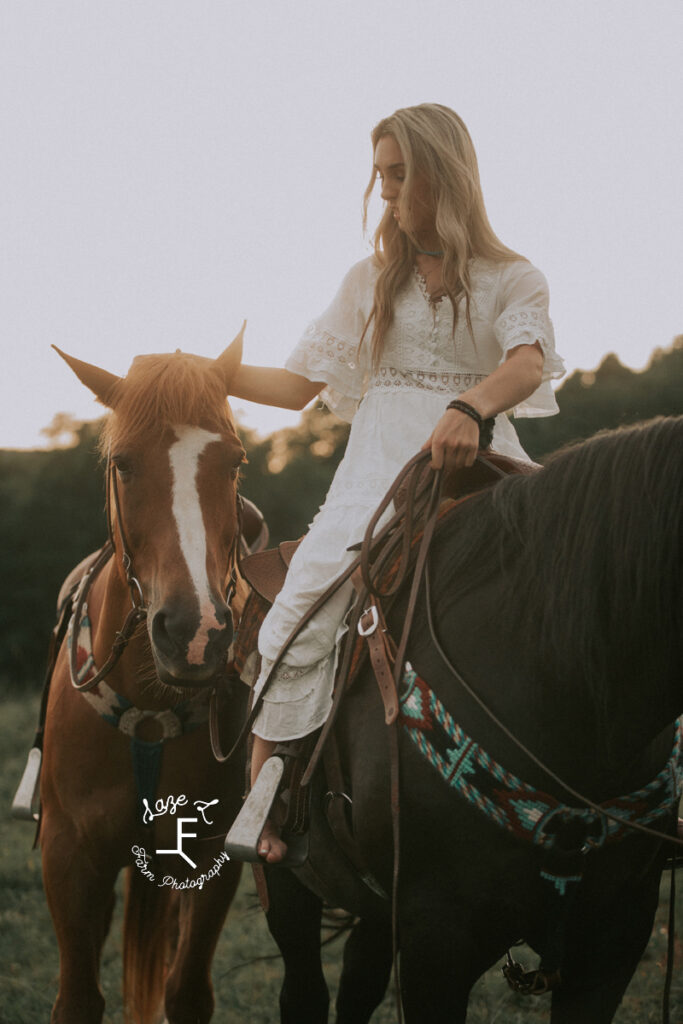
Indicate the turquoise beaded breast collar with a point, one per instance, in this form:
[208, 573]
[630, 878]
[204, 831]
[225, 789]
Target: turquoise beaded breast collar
[514, 805]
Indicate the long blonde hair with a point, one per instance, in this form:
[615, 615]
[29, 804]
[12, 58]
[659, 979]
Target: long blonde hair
[435, 145]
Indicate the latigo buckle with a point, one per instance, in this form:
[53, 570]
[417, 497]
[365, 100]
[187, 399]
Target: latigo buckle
[374, 621]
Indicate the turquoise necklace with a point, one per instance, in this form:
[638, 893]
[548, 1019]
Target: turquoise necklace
[428, 252]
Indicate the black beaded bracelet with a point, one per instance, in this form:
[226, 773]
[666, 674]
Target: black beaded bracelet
[485, 426]
[468, 409]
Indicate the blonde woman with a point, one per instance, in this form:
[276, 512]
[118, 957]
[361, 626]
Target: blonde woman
[441, 312]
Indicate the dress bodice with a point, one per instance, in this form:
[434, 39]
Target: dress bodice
[422, 352]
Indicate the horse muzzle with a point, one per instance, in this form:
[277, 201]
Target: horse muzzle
[190, 647]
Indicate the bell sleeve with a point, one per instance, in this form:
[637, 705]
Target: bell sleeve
[330, 349]
[523, 320]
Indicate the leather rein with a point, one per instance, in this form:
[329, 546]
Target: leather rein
[390, 538]
[139, 608]
[421, 573]
[421, 487]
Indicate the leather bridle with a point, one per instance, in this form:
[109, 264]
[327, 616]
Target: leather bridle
[139, 608]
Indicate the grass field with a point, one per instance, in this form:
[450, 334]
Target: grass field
[244, 994]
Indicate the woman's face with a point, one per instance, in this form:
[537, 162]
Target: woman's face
[391, 172]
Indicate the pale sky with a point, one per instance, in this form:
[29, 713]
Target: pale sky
[171, 168]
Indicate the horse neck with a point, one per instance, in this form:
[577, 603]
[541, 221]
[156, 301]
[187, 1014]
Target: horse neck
[559, 595]
[641, 704]
[633, 689]
[545, 703]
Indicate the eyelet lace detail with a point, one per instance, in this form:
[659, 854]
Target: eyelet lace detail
[325, 348]
[285, 672]
[527, 320]
[389, 378]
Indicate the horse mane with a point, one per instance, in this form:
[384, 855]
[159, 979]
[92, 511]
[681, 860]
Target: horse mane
[162, 390]
[589, 551]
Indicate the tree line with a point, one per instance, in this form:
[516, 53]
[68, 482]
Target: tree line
[52, 501]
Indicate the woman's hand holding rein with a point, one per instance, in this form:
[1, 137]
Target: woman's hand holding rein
[455, 439]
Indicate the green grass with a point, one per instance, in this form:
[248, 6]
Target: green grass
[245, 994]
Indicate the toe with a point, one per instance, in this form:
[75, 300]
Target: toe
[271, 847]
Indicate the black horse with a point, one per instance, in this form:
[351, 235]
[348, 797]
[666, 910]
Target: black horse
[558, 598]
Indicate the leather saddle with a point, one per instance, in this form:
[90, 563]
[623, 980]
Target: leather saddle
[265, 571]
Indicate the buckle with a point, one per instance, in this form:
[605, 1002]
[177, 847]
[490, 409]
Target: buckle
[569, 830]
[374, 621]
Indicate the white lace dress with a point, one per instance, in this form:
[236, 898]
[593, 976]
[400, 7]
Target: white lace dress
[392, 413]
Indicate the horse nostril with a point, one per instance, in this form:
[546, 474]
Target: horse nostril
[175, 630]
[223, 615]
[220, 635]
[169, 631]
[159, 633]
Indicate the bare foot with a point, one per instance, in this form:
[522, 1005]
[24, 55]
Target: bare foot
[270, 846]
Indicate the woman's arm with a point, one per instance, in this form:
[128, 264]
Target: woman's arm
[455, 439]
[273, 386]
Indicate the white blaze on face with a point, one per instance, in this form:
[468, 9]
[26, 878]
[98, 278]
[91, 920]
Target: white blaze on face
[184, 458]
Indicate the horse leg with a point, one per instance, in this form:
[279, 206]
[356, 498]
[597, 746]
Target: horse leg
[366, 971]
[80, 896]
[598, 1005]
[611, 929]
[294, 918]
[604, 955]
[598, 999]
[442, 952]
[435, 975]
[189, 991]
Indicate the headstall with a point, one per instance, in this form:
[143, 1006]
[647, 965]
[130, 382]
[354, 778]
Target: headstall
[138, 610]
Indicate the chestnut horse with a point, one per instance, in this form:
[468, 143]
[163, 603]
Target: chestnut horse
[125, 757]
[555, 601]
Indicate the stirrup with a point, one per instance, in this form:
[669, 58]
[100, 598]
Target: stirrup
[26, 803]
[242, 841]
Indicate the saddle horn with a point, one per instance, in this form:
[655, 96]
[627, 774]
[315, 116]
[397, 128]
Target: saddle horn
[100, 382]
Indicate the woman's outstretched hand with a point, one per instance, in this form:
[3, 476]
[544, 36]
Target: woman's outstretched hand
[454, 442]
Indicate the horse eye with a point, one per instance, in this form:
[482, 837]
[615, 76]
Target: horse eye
[235, 466]
[124, 466]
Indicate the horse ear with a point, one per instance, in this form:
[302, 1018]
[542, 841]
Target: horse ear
[100, 382]
[229, 361]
